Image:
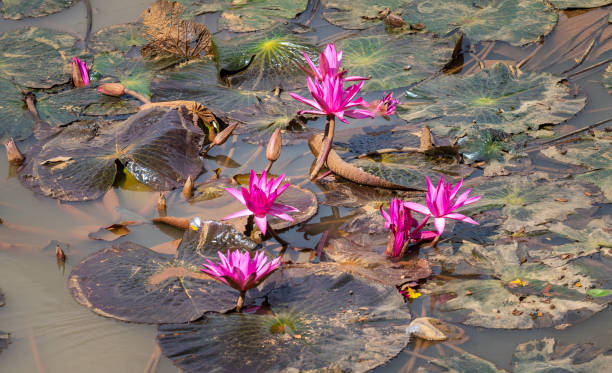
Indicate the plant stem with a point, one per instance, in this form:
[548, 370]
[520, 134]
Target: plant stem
[269, 166]
[277, 237]
[327, 143]
[240, 302]
[138, 96]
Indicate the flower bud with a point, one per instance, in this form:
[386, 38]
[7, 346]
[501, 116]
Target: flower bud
[187, 191]
[80, 74]
[112, 89]
[13, 154]
[225, 134]
[273, 150]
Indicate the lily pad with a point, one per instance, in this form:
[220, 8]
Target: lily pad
[81, 104]
[319, 319]
[394, 61]
[51, 66]
[130, 282]
[118, 38]
[358, 14]
[12, 9]
[594, 152]
[79, 163]
[512, 295]
[516, 22]
[16, 121]
[607, 78]
[197, 81]
[573, 4]
[134, 74]
[529, 201]
[485, 145]
[548, 355]
[494, 98]
[361, 247]
[266, 61]
[211, 200]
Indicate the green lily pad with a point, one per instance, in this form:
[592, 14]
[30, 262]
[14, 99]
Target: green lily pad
[494, 98]
[573, 4]
[547, 355]
[599, 292]
[319, 319]
[607, 78]
[133, 74]
[547, 295]
[594, 152]
[358, 14]
[394, 60]
[17, 122]
[266, 61]
[516, 22]
[18, 9]
[53, 51]
[79, 162]
[197, 81]
[485, 145]
[529, 201]
[130, 282]
[80, 104]
[462, 363]
[118, 38]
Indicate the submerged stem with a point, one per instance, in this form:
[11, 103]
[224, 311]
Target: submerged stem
[138, 96]
[240, 302]
[327, 143]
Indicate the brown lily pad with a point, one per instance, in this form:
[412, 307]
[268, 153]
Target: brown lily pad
[130, 282]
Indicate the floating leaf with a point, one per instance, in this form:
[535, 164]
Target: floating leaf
[16, 121]
[130, 282]
[599, 292]
[118, 38]
[484, 145]
[494, 98]
[358, 14]
[547, 355]
[266, 61]
[594, 152]
[361, 250]
[197, 81]
[528, 201]
[394, 60]
[53, 51]
[516, 22]
[319, 319]
[133, 74]
[170, 33]
[18, 9]
[572, 4]
[140, 144]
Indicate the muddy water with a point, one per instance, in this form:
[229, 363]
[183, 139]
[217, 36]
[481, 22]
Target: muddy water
[50, 332]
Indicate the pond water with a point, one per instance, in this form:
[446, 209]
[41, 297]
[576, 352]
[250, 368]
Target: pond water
[50, 332]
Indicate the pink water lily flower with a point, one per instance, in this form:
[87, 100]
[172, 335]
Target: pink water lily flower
[330, 98]
[329, 64]
[386, 106]
[440, 203]
[403, 226]
[239, 271]
[259, 200]
[80, 74]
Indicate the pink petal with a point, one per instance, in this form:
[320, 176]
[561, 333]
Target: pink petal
[277, 207]
[236, 194]
[262, 223]
[461, 218]
[238, 214]
[417, 207]
[282, 216]
[440, 223]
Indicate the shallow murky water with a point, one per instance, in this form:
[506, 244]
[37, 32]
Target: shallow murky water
[50, 332]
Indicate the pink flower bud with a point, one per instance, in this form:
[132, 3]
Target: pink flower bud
[13, 154]
[80, 74]
[273, 150]
[112, 89]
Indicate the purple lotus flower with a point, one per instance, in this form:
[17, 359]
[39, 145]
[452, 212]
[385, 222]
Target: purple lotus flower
[329, 65]
[330, 98]
[239, 271]
[80, 74]
[384, 107]
[259, 200]
[440, 203]
[403, 226]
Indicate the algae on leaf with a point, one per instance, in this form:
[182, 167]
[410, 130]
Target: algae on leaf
[394, 61]
[18, 9]
[130, 282]
[159, 147]
[118, 38]
[497, 98]
[319, 318]
[36, 57]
